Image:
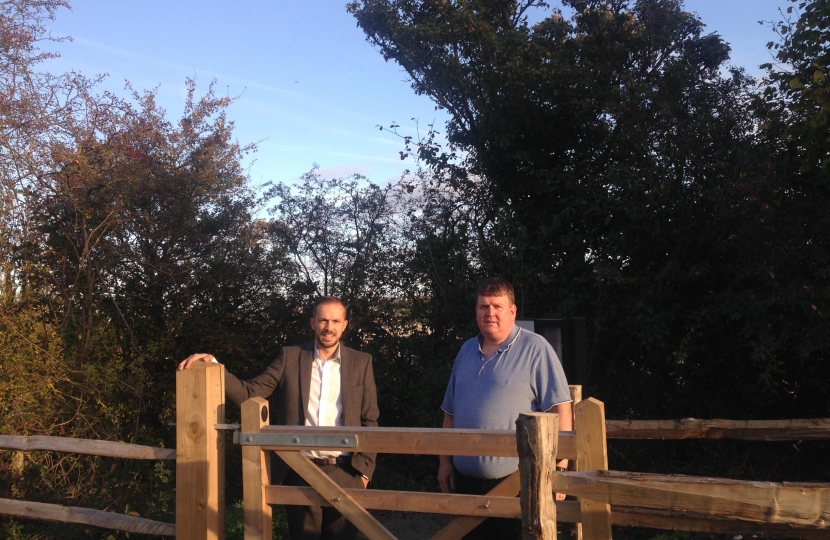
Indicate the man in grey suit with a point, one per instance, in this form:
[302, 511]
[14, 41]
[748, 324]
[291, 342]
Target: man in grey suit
[322, 383]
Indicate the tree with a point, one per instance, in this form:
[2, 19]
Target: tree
[36, 109]
[341, 233]
[611, 169]
[129, 241]
[797, 92]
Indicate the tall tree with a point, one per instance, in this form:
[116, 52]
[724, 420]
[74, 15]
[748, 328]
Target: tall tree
[128, 241]
[36, 109]
[616, 171]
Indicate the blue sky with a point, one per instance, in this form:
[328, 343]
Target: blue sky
[311, 89]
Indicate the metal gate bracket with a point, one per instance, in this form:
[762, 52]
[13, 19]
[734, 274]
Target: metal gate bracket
[295, 439]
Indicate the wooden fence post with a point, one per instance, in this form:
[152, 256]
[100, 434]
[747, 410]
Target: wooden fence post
[537, 438]
[256, 473]
[592, 455]
[200, 453]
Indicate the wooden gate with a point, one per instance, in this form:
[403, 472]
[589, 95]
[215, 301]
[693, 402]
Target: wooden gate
[537, 442]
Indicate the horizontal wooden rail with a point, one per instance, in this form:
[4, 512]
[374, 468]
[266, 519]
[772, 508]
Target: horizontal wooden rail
[412, 501]
[85, 516]
[687, 521]
[795, 504]
[508, 507]
[84, 446]
[692, 428]
[426, 441]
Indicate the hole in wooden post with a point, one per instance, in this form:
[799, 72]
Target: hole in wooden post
[264, 413]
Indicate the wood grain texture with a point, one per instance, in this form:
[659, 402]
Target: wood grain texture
[591, 455]
[85, 516]
[405, 501]
[688, 521]
[691, 428]
[458, 527]
[256, 473]
[420, 502]
[427, 441]
[536, 438]
[798, 505]
[200, 452]
[335, 495]
[84, 446]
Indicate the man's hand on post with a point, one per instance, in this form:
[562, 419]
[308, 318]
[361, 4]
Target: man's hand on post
[193, 358]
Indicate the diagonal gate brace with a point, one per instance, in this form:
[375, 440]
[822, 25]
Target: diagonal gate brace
[333, 493]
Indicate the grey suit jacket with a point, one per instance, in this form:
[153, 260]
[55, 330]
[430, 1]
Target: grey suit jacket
[290, 376]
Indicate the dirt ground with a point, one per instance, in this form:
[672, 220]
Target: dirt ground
[408, 525]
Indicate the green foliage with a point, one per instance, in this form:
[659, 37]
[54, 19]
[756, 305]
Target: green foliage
[798, 94]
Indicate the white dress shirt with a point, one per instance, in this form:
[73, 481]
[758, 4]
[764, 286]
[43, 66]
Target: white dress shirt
[325, 400]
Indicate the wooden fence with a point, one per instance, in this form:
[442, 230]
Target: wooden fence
[85, 516]
[603, 497]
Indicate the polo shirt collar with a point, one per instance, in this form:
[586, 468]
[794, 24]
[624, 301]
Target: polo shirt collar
[505, 345]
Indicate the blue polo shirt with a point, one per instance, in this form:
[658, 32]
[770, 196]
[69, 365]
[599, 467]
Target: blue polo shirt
[523, 375]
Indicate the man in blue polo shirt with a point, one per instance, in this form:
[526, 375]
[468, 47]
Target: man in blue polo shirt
[502, 372]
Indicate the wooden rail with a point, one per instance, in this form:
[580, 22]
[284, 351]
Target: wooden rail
[427, 441]
[85, 516]
[692, 428]
[437, 440]
[690, 521]
[483, 506]
[799, 505]
[85, 446]
[74, 514]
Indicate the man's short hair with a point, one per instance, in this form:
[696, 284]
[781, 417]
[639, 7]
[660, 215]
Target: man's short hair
[496, 286]
[328, 300]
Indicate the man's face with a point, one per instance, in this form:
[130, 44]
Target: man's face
[495, 316]
[328, 324]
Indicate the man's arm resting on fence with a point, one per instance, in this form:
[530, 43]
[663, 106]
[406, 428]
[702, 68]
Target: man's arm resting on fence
[263, 385]
[446, 471]
[565, 423]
